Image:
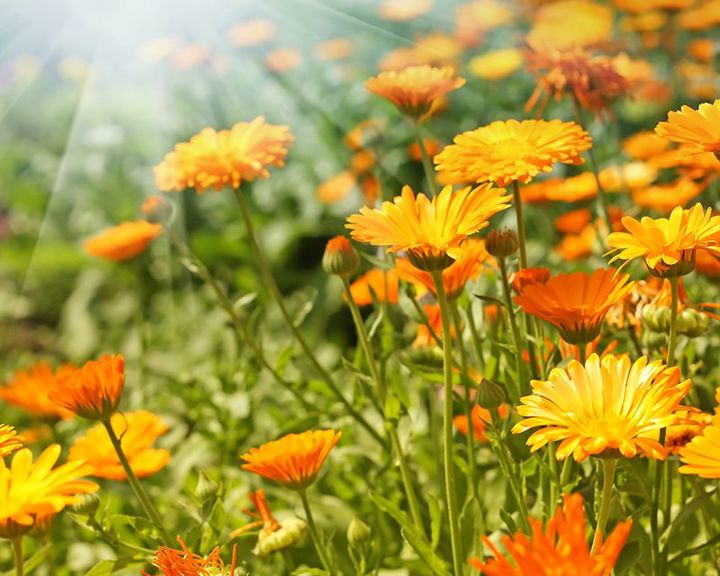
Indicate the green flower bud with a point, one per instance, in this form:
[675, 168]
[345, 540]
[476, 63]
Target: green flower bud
[501, 243]
[340, 258]
[692, 323]
[656, 318]
[289, 534]
[206, 489]
[87, 505]
[157, 209]
[359, 534]
[490, 395]
[654, 340]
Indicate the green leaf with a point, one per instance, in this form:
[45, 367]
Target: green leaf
[392, 408]
[509, 521]
[435, 521]
[491, 300]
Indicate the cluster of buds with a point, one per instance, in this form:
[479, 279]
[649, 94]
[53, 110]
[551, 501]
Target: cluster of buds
[690, 322]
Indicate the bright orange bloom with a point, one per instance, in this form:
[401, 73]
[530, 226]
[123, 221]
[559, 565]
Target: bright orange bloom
[184, 562]
[698, 129]
[480, 418]
[294, 460]
[644, 145]
[376, 285]
[496, 65]
[336, 188]
[123, 242]
[528, 276]
[403, 10]
[609, 403]
[432, 147]
[9, 440]
[578, 246]
[252, 33]
[708, 263]
[576, 304]
[414, 89]
[29, 390]
[503, 152]
[702, 49]
[137, 432]
[32, 493]
[667, 245]
[94, 390]
[665, 197]
[424, 336]
[590, 24]
[561, 549]
[429, 231]
[573, 222]
[215, 160]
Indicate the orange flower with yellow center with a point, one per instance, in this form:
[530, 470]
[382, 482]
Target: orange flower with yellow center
[376, 285]
[137, 432]
[30, 389]
[576, 304]
[124, 241]
[609, 404]
[698, 129]
[429, 231]
[213, 159]
[561, 548]
[414, 89]
[505, 152]
[294, 460]
[667, 245]
[32, 493]
[701, 456]
[9, 440]
[184, 562]
[94, 390]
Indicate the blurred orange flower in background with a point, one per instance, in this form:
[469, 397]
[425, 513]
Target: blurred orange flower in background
[375, 285]
[123, 242]
[252, 33]
[665, 197]
[283, 59]
[404, 10]
[592, 24]
[573, 222]
[496, 65]
[29, 390]
[480, 417]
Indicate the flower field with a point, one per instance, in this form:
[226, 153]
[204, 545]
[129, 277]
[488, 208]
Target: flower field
[383, 288]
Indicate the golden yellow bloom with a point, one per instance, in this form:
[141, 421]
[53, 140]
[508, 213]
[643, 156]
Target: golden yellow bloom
[413, 90]
[474, 19]
[667, 245]
[137, 432]
[690, 424]
[215, 160]
[9, 440]
[29, 390]
[94, 390]
[701, 456]
[609, 404]
[571, 23]
[430, 231]
[124, 241]
[294, 460]
[32, 493]
[698, 129]
[561, 549]
[503, 152]
[644, 145]
[497, 64]
[576, 304]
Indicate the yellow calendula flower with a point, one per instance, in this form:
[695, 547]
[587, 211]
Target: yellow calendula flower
[701, 456]
[9, 440]
[609, 404]
[698, 129]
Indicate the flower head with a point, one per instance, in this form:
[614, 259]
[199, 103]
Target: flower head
[610, 403]
[32, 493]
[213, 159]
[429, 231]
[667, 245]
[294, 460]
[480, 418]
[375, 285]
[666, 197]
[576, 304]
[504, 152]
[414, 89]
[94, 390]
[137, 432]
[562, 548]
[701, 455]
[29, 389]
[124, 241]
[497, 64]
[698, 129]
[9, 440]
[592, 24]
[529, 276]
[184, 562]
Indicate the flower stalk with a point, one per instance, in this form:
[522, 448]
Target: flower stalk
[317, 540]
[427, 164]
[672, 336]
[16, 544]
[609, 466]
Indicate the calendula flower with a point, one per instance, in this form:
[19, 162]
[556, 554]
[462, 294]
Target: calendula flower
[94, 390]
[666, 197]
[32, 493]
[667, 245]
[698, 129]
[252, 33]
[430, 232]
[123, 242]
[184, 562]
[632, 176]
[574, 247]
[432, 147]
[576, 304]
[609, 404]
[496, 65]
[425, 338]
[573, 222]
[283, 60]
[571, 23]
[414, 89]
[503, 152]
[473, 20]
[137, 432]
[336, 188]
[644, 145]
[366, 134]
[376, 285]
[29, 390]
[700, 455]
[294, 460]
[480, 418]
[528, 276]
[213, 159]
[335, 49]
[9, 440]
[690, 424]
[562, 548]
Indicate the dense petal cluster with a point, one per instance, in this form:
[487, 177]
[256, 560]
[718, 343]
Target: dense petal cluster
[29, 390]
[701, 456]
[9, 440]
[184, 562]
[698, 129]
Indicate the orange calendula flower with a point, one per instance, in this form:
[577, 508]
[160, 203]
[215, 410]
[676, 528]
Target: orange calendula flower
[578, 246]
[666, 197]
[504, 152]
[529, 276]
[9, 440]
[432, 147]
[283, 60]
[137, 432]
[213, 159]
[414, 89]
[562, 548]
[576, 304]
[30, 389]
[376, 285]
[609, 404]
[184, 562]
[590, 24]
[426, 337]
[429, 231]
[336, 188]
[480, 417]
[252, 33]
[698, 129]
[667, 245]
[473, 20]
[573, 222]
[32, 493]
[644, 145]
[94, 390]
[294, 460]
[124, 241]
[700, 455]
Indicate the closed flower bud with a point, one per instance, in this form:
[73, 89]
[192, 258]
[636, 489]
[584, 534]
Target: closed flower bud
[656, 318]
[157, 209]
[340, 258]
[490, 395]
[654, 340]
[289, 534]
[359, 534]
[87, 505]
[206, 489]
[692, 323]
[502, 243]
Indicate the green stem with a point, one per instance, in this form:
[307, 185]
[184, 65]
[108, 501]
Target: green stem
[609, 465]
[450, 488]
[427, 165]
[498, 444]
[382, 395]
[475, 335]
[150, 510]
[672, 338]
[272, 286]
[319, 544]
[16, 544]
[517, 389]
[517, 203]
